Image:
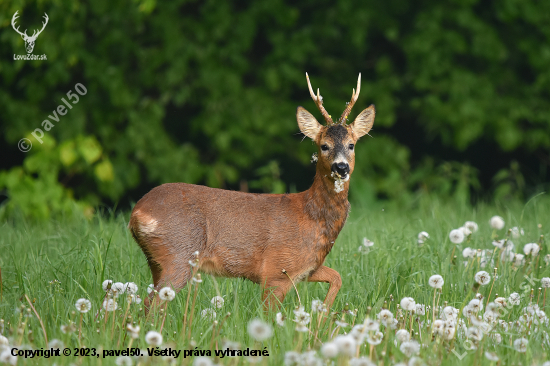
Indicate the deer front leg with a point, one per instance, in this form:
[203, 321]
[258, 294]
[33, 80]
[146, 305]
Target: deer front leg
[326, 274]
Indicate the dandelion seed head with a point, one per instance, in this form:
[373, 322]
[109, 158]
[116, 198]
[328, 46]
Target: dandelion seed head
[402, 335]
[545, 282]
[259, 330]
[110, 305]
[423, 236]
[468, 252]
[346, 344]
[329, 350]
[302, 317]
[167, 294]
[386, 317]
[83, 305]
[280, 319]
[520, 345]
[372, 325]
[133, 330]
[438, 326]
[202, 361]
[496, 222]
[519, 259]
[471, 225]
[217, 302]
[375, 338]
[420, 309]
[407, 303]
[499, 243]
[124, 361]
[153, 338]
[436, 281]
[130, 288]
[450, 312]
[56, 344]
[209, 314]
[410, 348]
[514, 298]
[197, 278]
[531, 249]
[465, 231]
[476, 305]
[318, 306]
[482, 277]
[361, 361]
[456, 236]
[107, 285]
[301, 327]
[491, 356]
[516, 232]
[474, 333]
[117, 288]
[7, 358]
[150, 288]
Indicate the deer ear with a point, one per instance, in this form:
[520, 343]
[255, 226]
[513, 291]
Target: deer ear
[364, 121]
[307, 123]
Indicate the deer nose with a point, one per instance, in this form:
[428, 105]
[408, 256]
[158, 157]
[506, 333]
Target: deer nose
[340, 168]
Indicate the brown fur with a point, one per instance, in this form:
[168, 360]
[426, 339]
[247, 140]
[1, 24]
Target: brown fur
[253, 236]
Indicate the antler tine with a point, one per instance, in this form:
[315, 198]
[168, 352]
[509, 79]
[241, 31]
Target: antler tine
[319, 102]
[43, 24]
[15, 16]
[354, 97]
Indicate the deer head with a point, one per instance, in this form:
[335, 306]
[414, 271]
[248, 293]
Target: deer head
[335, 141]
[29, 41]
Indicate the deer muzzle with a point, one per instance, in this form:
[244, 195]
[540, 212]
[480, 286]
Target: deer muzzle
[341, 168]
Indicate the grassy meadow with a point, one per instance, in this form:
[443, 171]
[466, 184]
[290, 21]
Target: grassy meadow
[56, 263]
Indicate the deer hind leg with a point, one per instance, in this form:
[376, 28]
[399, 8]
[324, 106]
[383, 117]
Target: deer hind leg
[274, 293]
[172, 271]
[326, 274]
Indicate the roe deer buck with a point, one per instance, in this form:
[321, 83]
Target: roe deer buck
[266, 238]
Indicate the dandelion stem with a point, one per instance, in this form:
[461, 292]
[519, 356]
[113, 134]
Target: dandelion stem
[39, 319]
[187, 302]
[104, 297]
[80, 331]
[213, 334]
[113, 327]
[297, 294]
[193, 309]
[433, 309]
[319, 318]
[123, 320]
[544, 301]
[164, 316]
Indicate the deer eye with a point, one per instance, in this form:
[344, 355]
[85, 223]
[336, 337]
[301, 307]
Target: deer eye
[351, 146]
[324, 147]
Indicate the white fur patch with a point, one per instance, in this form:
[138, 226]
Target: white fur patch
[147, 224]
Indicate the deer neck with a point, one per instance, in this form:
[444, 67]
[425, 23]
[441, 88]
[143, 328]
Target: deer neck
[327, 207]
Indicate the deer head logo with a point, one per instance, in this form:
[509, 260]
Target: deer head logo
[29, 41]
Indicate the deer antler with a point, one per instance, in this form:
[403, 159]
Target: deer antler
[13, 25]
[354, 97]
[43, 26]
[318, 99]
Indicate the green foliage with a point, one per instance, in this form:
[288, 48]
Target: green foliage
[36, 188]
[206, 92]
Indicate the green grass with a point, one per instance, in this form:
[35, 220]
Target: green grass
[81, 253]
